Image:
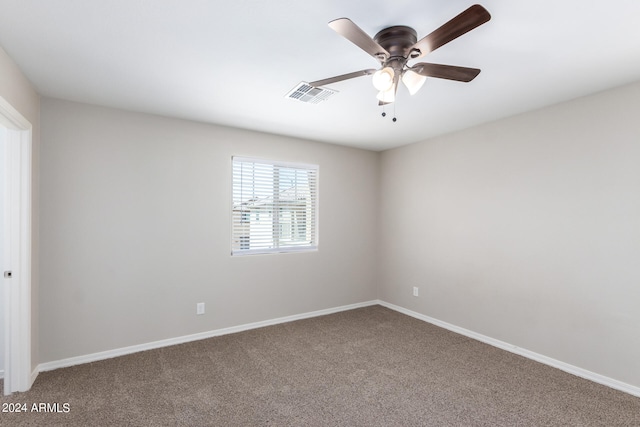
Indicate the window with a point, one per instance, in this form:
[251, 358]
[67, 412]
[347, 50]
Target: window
[274, 206]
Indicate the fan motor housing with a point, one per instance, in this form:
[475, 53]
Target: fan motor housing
[397, 40]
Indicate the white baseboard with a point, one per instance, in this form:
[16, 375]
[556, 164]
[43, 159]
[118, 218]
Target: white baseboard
[583, 373]
[94, 357]
[1, 374]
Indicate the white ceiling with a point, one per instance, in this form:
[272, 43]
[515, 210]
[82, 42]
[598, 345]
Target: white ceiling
[232, 62]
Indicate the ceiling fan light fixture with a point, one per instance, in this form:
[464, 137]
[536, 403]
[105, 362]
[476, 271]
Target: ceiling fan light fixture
[413, 81]
[387, 96]
[383, 79]
[395, 46]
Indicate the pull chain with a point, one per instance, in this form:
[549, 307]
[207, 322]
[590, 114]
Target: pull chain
[384, 114]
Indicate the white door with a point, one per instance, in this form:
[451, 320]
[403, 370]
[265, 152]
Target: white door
[3, 168]
[16, 257]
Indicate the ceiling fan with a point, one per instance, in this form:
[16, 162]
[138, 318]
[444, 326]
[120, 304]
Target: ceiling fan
[395, 46]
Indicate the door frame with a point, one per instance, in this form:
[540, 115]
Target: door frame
[17, 249]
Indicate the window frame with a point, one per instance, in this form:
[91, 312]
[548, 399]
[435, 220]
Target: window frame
[275, 221]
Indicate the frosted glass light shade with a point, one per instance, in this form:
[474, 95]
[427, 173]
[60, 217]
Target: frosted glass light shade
[383, 79]
[413, 81]
[388, 95]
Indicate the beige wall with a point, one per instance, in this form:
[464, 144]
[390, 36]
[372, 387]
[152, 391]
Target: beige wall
[135, 231]
[16, 89]
[526, 230]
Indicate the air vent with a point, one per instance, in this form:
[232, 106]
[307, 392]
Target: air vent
[303, 92]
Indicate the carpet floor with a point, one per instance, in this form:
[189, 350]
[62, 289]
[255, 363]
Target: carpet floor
[366, 367]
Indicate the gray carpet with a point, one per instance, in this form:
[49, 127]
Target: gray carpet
[365, 367]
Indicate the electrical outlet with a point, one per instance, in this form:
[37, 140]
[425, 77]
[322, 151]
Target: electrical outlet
[200, 308]
[415, 291]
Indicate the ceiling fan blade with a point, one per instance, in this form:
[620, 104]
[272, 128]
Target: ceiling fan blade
[471, 18]
[450, 72]
[347, 29]
[342, 77]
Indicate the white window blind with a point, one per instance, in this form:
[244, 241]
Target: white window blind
[274, 206]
